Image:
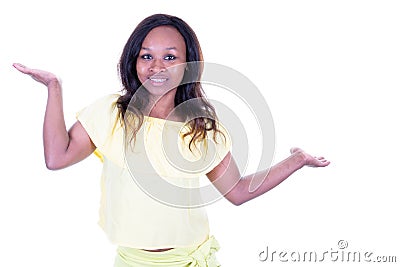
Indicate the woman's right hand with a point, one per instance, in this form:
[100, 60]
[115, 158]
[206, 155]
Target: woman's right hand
[44, 77]
[62, 148]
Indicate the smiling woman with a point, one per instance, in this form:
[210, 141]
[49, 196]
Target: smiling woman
[157, 78]
[149, 49]
[161, 61]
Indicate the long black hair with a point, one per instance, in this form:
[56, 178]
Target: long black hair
[132, 102]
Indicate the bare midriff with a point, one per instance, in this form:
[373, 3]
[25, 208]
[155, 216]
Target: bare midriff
[157, 250]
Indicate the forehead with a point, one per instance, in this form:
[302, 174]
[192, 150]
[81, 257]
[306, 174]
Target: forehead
[164, 37]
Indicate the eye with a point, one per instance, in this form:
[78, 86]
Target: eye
[146, 57]
[170, 57]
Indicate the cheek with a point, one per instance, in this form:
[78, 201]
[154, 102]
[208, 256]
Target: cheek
[177, 72]
[141, 72]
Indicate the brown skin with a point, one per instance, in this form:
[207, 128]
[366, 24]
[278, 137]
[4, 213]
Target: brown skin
[160, 68]
[163, 48]
[62, 148]
[226, 175]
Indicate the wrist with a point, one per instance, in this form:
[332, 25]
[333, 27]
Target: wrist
[54, 87]
[53, 82]
[301, 158]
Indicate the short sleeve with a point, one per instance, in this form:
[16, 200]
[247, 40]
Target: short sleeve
[101, 121]
[208, 153]
[223, 145]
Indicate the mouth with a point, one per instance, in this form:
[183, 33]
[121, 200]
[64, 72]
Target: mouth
[157, 80]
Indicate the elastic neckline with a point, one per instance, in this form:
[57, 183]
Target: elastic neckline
[154, 119]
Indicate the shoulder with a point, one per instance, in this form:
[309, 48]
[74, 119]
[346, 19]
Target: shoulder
[107, 103]
[101, 120]
[221, 135]
[109, 100]
[103, 112]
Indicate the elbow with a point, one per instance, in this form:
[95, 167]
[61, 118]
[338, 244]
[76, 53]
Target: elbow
[236, 203]
[52, 167]
[236, 195]
[234, 199]
[53, 164]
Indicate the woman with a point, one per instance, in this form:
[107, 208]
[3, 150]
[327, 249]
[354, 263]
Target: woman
[126, 131]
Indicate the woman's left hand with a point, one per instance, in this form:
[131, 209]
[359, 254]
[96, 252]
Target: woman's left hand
[311, 161]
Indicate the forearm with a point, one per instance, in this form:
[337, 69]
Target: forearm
[62, 148]
[55, 135]
[254, 185]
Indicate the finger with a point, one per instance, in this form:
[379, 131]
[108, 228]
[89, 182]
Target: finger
[22, 68]
[19, 66]
[325, 163]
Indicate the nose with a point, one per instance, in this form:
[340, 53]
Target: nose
[157, 66]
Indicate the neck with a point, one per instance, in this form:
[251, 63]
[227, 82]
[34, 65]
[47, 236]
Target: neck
[161, 106]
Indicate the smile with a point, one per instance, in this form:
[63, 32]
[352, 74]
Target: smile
[158, 80]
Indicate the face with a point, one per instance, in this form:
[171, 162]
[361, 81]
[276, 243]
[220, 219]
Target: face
[161, 62]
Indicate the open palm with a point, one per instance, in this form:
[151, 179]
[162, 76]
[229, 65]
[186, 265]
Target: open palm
[311, 161]
[41, 76]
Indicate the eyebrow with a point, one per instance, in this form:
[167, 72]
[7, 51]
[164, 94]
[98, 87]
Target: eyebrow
[168, 48]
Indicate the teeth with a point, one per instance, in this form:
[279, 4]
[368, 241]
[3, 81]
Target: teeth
[158, 80]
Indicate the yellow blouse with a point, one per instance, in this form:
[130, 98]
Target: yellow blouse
[129, 215]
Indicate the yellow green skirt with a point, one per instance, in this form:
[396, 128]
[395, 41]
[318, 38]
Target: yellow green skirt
[201, 256]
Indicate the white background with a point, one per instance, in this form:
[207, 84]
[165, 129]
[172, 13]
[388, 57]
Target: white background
[329, 71]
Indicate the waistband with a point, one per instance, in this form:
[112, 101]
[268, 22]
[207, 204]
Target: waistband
[200, 256]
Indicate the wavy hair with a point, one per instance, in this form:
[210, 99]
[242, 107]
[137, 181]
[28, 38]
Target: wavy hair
[134, 100]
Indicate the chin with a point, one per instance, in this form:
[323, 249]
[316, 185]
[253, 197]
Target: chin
[160, 91]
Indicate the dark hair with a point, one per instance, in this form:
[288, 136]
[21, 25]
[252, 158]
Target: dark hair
[133, 102]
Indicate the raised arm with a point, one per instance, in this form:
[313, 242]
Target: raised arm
[62, 148]
[226, 176]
